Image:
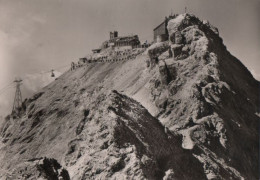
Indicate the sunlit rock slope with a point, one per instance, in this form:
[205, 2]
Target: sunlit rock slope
[184, 109]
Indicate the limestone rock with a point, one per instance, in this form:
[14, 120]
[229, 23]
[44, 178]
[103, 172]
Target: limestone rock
[155, 50]
[167, 72]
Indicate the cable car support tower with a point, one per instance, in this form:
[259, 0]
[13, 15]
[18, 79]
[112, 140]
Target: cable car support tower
[17, 98]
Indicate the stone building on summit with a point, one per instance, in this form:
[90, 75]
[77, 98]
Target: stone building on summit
[119, 42]
[160, 33]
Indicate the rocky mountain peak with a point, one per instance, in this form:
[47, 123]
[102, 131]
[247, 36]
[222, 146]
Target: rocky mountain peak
[184, 109]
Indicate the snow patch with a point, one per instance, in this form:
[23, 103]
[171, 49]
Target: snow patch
[187, 142]
[175, 23]
[258, 114]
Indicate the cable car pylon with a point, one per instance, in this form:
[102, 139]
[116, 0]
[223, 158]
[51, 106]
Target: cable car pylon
[17, 98]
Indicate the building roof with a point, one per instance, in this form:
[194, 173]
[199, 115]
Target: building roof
[166, 20]
[125, 38]
[158, 25]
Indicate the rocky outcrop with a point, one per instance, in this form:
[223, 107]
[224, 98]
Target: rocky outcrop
[167, 71]
[124, 147]
[154, 51]
[205, 100]
[189, 35]
[39, 168]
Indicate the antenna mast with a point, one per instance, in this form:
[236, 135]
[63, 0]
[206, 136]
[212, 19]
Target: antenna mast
[17, 98]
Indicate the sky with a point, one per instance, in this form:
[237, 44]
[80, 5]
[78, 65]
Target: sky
[39, 35]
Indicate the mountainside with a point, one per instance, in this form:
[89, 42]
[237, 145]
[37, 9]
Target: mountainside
[184, 109]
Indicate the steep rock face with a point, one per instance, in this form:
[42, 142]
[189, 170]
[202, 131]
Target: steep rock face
[213, 102]
[154, 51]
[207, 101]
[56, 116]
[117, 143]
[120, 140]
